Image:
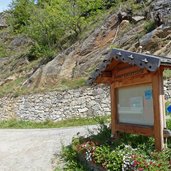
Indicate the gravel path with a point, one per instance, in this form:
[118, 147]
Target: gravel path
[33, 149]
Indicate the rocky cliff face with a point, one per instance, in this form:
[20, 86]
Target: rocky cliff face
[78, 60]
[83, 57]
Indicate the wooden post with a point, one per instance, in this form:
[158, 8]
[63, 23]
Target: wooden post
[163, 98]
[113, 109]
[163, 107]
[158, 110]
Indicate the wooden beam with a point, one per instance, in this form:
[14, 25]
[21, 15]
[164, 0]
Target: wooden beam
[158, 110]
[105, 77]
[137, 80]
[112, 65]
[166, 67]
[104, 80]
[106, 74]
[135, 129]
[113, 108]
[127, 70]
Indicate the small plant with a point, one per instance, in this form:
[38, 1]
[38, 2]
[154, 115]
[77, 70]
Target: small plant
[40, 51]
[70, 156]
[3, 51]
[149, 26]
[71, 84]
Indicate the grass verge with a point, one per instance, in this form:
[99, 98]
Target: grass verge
[14, 88]
[13, 123]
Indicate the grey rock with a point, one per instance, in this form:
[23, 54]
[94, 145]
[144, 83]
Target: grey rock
[137, 18]
[19, 41]
[3, 22]
[39, 107]
[163, 8]
[83, 110]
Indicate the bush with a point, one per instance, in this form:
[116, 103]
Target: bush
[128, 152]
[40, 51]
[149, 26]
[50, 24]
[3, 51]
[21, 11]
[71, 157]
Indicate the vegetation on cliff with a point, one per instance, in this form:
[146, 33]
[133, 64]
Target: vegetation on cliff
[53, 25]
[49, 45]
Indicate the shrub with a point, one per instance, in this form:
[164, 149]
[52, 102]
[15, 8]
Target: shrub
[50, 24]
[3, 51]
[149, 26]
[70, 157]
[128, 152]
[40, 51]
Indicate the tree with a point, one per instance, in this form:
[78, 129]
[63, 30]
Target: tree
[49, 22]
[78, 13]
[21, 11]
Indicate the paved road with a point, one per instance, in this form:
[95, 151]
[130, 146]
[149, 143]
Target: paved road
[33, 149]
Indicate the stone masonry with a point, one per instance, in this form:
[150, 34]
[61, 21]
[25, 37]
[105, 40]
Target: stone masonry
[82, 102]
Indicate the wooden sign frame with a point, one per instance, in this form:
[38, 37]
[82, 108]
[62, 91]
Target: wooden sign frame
[123, 68]
[155, 79]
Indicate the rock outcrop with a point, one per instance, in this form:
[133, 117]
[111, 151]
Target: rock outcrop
[79, 59]
[3, 22]
[83, 57]
[163, 8]
[157, 41]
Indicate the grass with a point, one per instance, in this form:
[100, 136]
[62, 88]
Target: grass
[149, 26]
[167, 73]
[11, 87]
[74, 83]
[21, 124]
[3, 51]
[14, 88]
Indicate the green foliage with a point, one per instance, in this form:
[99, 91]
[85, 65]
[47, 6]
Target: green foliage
[74, 83]
[103, 135]
[13, 123]
[10, 87]
[50, 23]
[167, 73]
[149, 26]
[136, 6]
[3, 51]
[40, 51]
[14, 88]
[111, 160]
[127, 158]
[21, 11]
[70, 156]
[128, 152]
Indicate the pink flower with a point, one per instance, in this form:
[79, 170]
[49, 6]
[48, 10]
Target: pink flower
[151, 163]
[135, 163]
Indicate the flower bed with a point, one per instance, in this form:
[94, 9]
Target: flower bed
[127, 153]
[124, 157]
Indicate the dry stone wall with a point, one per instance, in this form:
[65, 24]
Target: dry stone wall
[82, 102]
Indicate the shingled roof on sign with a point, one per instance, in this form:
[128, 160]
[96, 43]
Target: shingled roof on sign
[149, 62]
